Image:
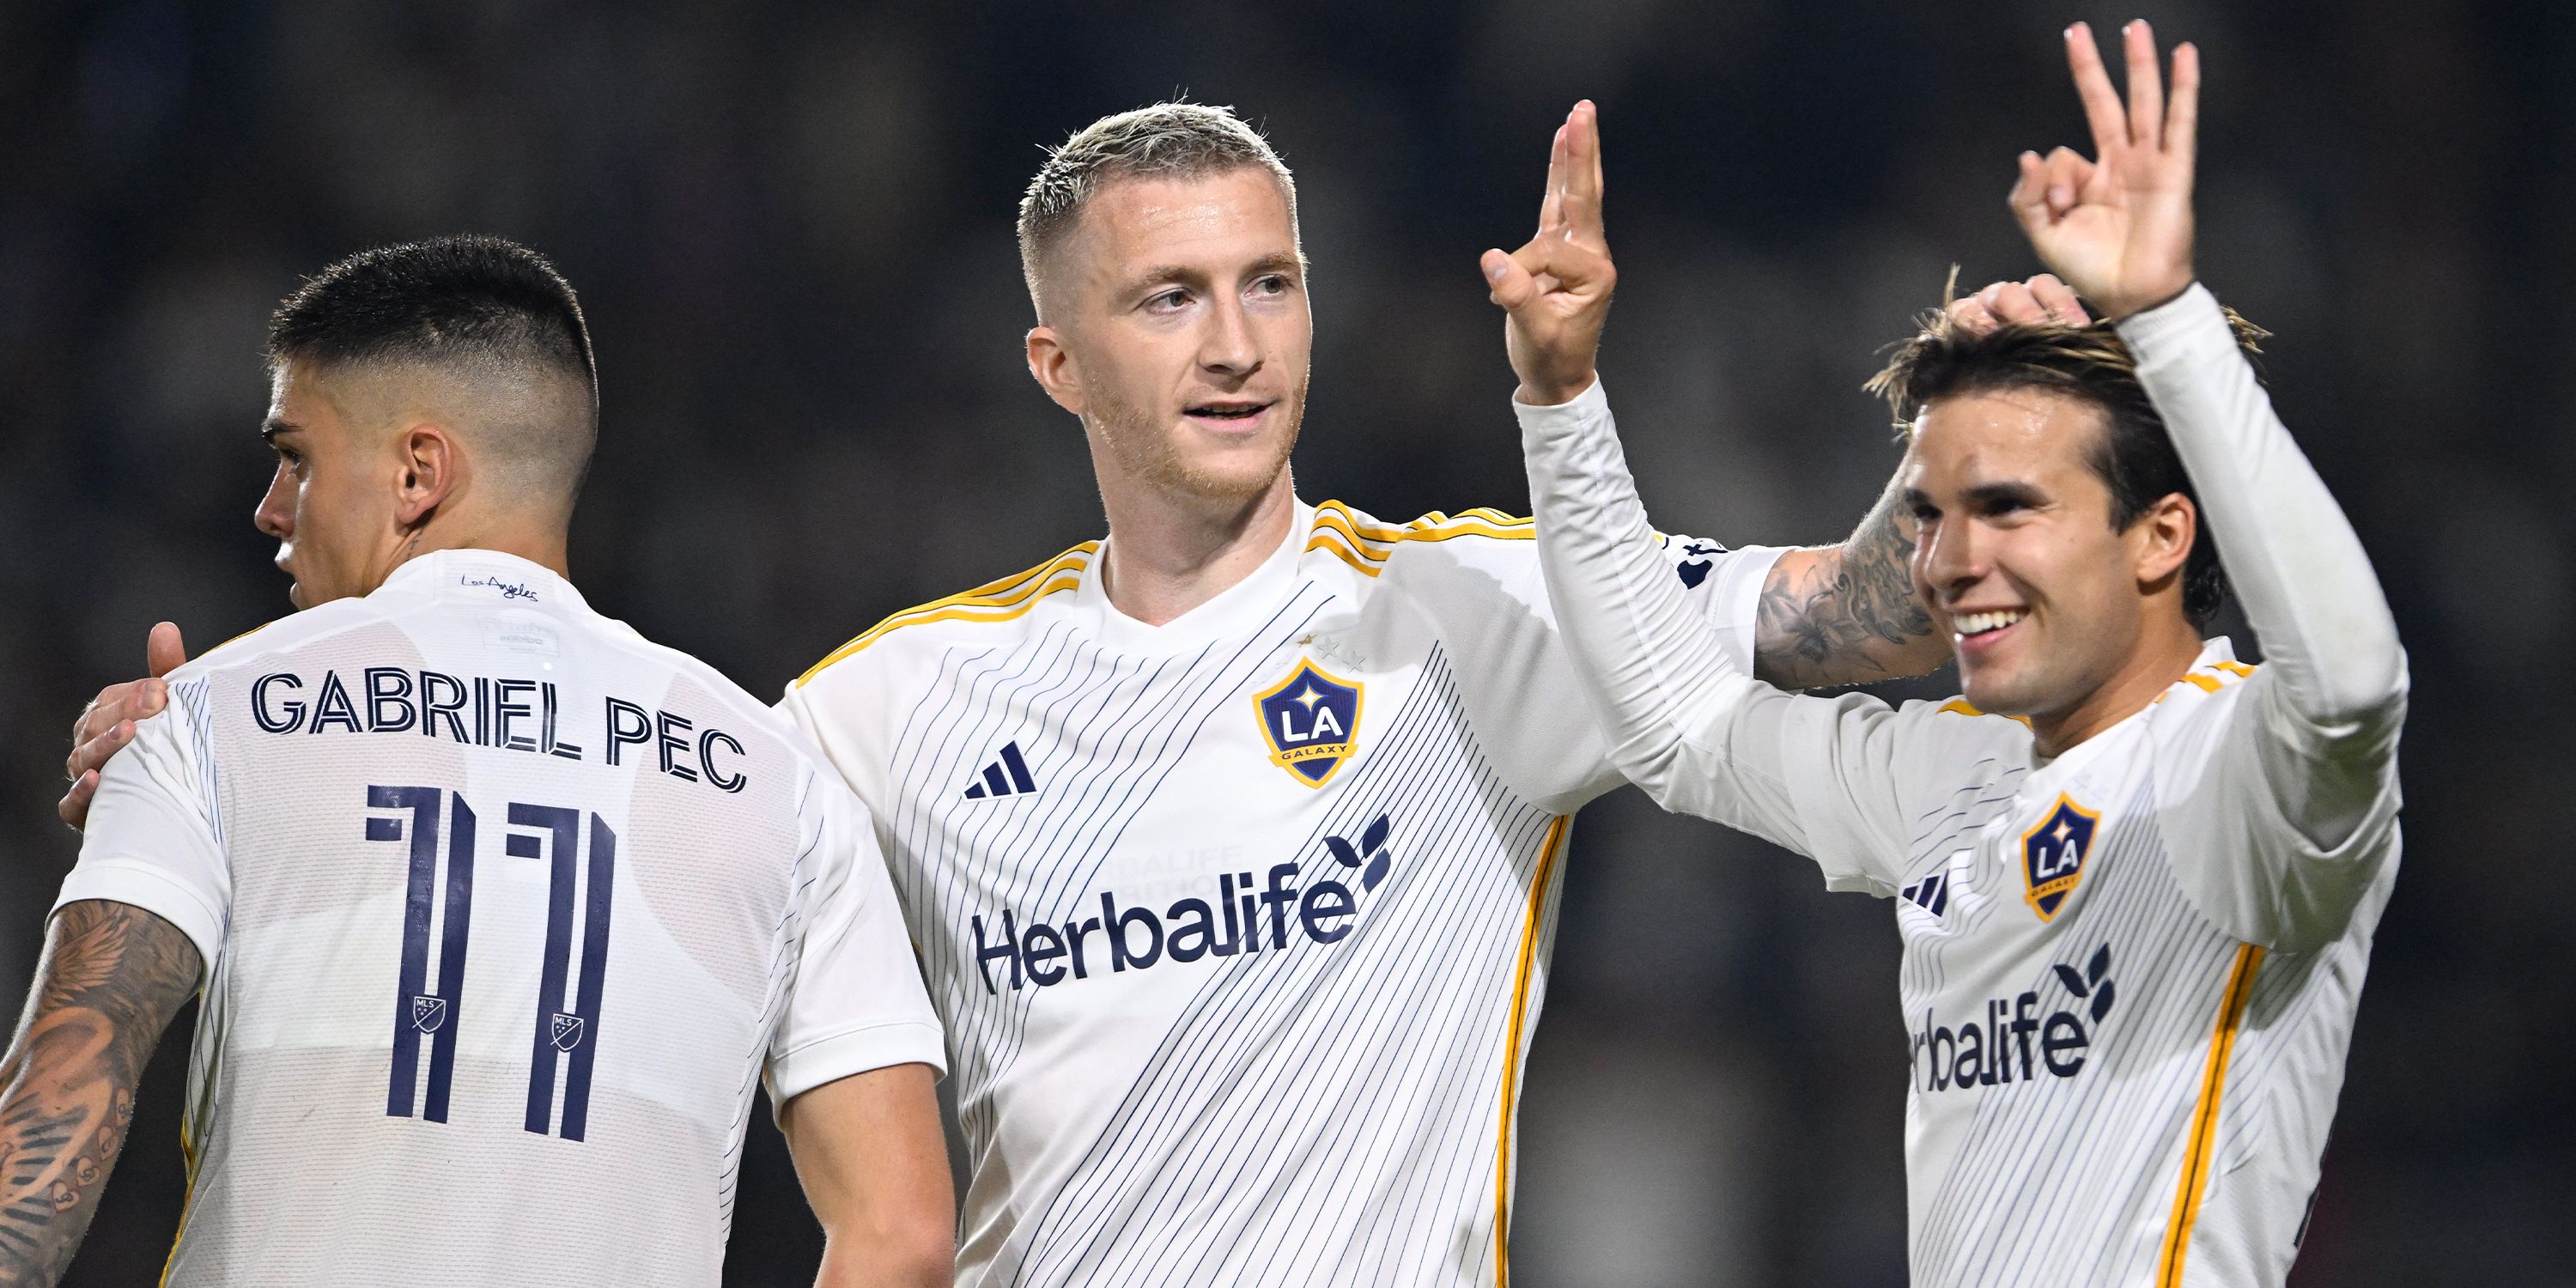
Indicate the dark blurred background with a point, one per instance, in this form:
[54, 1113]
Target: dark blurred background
[791, 225]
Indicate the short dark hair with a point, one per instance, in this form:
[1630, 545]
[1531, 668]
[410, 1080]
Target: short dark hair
[2134, 456]
[482, 304]
[459, 297]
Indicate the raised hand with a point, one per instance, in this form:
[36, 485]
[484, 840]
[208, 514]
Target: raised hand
[107, 723]
[2118, 227]
[1557, 288]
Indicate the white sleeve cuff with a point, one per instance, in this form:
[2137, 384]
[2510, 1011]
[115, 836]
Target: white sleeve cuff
[1737, 609]
[2170, 331]
[875, 1046]
[144, 885]
[1574, 413]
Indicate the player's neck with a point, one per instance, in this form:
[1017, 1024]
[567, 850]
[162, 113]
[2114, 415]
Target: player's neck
[1168, 556]
[2163, 656]
[542, 544]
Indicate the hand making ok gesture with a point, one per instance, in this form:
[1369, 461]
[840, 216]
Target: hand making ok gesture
[1557, 287]
[2118, 227]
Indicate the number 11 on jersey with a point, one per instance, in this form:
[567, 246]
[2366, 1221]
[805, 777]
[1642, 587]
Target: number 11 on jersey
[567, 1026]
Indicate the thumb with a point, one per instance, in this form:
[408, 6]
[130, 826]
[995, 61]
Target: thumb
[165, 651]
[1511, 285]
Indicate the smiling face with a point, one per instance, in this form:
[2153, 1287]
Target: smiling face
[1177, 328]
[2052, 610]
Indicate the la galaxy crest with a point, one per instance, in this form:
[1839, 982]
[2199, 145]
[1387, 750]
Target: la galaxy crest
[1311, 721]
[2052, 855]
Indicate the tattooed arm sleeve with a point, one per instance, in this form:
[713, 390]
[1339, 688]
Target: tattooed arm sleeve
[1847, 614]
[111, 977]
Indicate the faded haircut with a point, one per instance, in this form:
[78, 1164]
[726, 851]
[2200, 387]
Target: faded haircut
[1165, 141]
[483, 311]
[2134, 456]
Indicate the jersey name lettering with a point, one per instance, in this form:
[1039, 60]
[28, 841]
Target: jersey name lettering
[486, 711]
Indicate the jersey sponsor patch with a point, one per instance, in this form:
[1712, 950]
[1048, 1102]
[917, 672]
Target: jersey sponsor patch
[2052, 855]
[1311, 721]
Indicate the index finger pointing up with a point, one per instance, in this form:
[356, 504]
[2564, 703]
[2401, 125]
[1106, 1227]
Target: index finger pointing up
[1582, 174]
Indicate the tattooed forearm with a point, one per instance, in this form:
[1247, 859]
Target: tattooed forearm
[1846, 614]
[111, 978]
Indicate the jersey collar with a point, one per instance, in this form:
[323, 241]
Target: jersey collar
[503, 580]
[1238, 608]
[2215, 649]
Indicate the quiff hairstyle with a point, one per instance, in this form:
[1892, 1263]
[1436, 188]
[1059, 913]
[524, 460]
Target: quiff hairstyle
[2134, 456]
[1165, 141]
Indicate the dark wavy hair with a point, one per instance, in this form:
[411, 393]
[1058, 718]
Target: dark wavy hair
[2134, 456]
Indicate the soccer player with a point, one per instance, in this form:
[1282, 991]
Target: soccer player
[497, 909]
[2135, 878]
[1231, 842]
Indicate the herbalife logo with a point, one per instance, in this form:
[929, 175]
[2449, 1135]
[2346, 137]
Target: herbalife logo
[1981, 1052]
[1371, 849]
[1047, 953]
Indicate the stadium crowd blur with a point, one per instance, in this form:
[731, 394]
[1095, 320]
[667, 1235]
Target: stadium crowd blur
[791, 226]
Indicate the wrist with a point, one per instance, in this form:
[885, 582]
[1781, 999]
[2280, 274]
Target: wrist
[2150, 298]
[1554, 391]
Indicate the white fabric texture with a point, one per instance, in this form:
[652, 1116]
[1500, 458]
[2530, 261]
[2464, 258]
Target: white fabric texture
[504, 910]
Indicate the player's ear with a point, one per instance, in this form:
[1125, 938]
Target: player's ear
[430, 469]
[2162, 537]
[1052, 364]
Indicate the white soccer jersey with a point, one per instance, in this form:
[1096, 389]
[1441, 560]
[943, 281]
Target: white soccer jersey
[1239, 924]
[2129, 972]
[504, 909]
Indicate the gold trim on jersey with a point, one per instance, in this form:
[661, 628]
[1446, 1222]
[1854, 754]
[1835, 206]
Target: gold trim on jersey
[996, 601]
[2210, 678]
[1548, 851]
[188, 1196]
[1339, 532]
[2203, 1145]
[1963, 707]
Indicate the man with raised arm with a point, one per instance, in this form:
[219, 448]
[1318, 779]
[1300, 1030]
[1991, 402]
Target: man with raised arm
[498, 911]
[1231, 843]
[2135, 878]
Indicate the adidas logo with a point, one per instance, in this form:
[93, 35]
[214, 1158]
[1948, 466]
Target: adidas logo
[1008, 776]
[1931, 894]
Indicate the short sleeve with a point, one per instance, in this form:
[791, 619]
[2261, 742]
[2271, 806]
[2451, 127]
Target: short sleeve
[855, 1001]
[153, 840]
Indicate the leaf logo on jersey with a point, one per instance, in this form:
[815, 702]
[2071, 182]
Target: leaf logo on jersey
[1311, 720]
[2052, 855]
